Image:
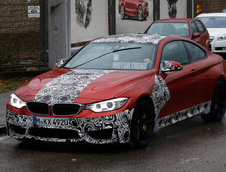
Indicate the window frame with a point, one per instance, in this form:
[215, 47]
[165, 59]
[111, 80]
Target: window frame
[188, 52]
[198, 21]
[197, 28]
[159, 70]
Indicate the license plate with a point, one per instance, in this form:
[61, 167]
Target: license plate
[55, 122]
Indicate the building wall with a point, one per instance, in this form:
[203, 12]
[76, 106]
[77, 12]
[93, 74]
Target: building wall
[210, 6]
[19, 35]
[90, 23]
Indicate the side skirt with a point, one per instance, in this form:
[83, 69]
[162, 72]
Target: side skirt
[200, 109]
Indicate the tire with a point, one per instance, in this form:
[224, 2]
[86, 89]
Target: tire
[122, 12]
[142, 124]
[140, 13]
[218, 105]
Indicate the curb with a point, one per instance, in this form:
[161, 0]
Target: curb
[2, 129]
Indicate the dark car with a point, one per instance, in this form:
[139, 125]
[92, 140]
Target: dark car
[192, 29]
[133, 8]
[120, 89]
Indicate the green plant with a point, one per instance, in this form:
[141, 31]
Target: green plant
[7, 56]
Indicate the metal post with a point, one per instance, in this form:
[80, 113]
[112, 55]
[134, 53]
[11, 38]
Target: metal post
[156, 10]
[112, 14]
[193, 9]
[43, 54]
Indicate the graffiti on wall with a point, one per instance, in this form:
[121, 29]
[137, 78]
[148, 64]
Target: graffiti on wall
[172, 8]
[83, 9]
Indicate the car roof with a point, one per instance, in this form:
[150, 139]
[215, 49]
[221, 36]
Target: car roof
[131, 38]
[183, 20]
[211, 15]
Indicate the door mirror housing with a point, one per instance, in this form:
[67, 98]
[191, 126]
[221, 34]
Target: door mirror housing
[60, 62]
[169, 66]
[196, 35]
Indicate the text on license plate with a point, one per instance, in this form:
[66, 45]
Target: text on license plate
[50, 121]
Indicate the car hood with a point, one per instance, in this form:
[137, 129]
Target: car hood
[68, 86]
[216, 31]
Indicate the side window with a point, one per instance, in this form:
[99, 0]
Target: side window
[195, 52]
[175, 51]
[194, 28]
[200, 26]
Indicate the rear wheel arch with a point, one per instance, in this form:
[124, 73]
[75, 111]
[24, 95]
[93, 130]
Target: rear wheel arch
[222, 80]
[218, 102]
[122, 6]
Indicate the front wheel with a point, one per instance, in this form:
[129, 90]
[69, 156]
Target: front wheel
[140, 13]
[142, 124]
[218, 103]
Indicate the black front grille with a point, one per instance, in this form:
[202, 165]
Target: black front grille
[54, 133]
[220, 48]
[101, 134]
[66, 109]
[38, 108]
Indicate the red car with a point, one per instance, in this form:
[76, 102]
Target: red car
[192, 29]
[120, 89]
[133, 8]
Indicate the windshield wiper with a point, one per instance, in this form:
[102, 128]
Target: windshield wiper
[124, 49]
[132, 48]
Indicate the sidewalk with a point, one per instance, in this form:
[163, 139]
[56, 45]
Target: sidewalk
[4, 97]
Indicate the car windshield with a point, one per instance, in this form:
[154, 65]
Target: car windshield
[214, 22]
[177, 29]
[114, 56]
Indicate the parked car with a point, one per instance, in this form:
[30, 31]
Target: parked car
[120, 89]
[190, 28]
[133, 8]
[216, 26]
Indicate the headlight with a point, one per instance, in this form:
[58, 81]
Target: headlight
[221, 38]
[145, 4]
[211, 38]
[16, 101]
[108, 105]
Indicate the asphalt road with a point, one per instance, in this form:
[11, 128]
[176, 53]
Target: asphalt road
[4, 97]
[192, 145]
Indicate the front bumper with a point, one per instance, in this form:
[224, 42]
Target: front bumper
[99, 130]
[218, 46]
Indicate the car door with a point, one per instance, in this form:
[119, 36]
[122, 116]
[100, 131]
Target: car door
[195, 29]
[182, 84]
[204, 34]
[129, 5]
[198, 57]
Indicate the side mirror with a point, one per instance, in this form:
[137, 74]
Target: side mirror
[169, 66]
[60, 62]
[196, 35]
